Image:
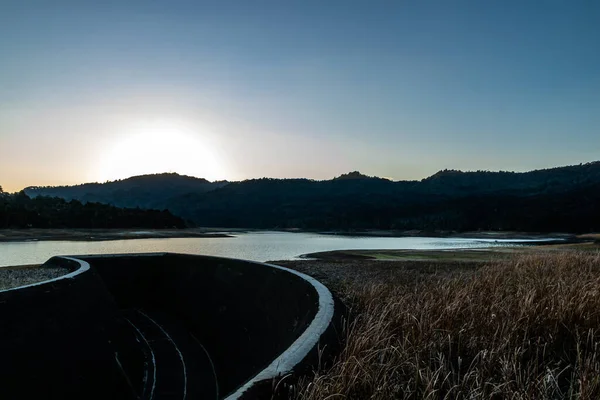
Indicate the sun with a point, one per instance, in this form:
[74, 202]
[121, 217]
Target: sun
[157, 147]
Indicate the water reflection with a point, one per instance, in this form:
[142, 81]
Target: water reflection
[257, 246]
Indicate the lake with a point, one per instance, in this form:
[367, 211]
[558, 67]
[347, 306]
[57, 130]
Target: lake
[257, 246]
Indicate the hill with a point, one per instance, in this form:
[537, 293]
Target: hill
[145, 191]
[556, 199]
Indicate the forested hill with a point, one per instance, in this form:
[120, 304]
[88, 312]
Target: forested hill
[557, 199]
[20, 211]
[146, 191]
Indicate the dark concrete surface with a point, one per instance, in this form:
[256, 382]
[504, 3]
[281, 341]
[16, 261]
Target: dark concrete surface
[155, 326]
[245, 314]
[53, 342]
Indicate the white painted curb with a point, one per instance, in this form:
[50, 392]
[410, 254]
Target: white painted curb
[303, 345]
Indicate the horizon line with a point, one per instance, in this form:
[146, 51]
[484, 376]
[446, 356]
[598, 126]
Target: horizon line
[311, 179]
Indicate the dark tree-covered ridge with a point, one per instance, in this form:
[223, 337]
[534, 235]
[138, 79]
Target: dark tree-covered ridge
[20, 211]
[555, 199]
[146, 191]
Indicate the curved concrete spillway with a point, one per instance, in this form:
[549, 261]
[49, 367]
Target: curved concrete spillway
[158, 326]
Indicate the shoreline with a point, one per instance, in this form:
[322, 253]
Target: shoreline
[452, 255]
[97, 235]
[51, 234]
[503, 235]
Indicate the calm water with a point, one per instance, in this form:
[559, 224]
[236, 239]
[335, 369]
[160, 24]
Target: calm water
[258, 246]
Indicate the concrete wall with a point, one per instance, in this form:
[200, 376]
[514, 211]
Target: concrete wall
[53, 342]
[254, 320]
[245, 314]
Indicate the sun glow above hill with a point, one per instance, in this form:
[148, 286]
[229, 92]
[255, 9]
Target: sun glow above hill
[160, 146]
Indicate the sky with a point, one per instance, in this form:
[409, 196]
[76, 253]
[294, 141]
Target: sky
[95, 91]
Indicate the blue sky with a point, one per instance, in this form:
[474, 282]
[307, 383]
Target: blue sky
[295, 88]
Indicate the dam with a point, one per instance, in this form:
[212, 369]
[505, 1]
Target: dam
[163, 326]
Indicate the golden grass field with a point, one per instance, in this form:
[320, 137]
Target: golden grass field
[522, 326]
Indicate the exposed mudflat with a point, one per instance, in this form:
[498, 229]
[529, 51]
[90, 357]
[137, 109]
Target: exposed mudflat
[457, 255]
[497, 235]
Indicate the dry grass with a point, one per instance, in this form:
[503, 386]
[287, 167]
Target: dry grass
[527, 328]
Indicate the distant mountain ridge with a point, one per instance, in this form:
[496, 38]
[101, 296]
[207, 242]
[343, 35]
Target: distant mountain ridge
[144, 191]
[559, 178]
[449, 200]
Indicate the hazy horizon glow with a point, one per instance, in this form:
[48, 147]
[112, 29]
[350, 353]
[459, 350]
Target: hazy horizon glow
[157, 146]
[234, 90]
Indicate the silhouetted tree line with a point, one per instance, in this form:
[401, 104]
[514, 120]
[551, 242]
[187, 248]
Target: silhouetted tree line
[577, 211]
[564, 199]
[556, 199]
[20, 211]
[146, 191]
